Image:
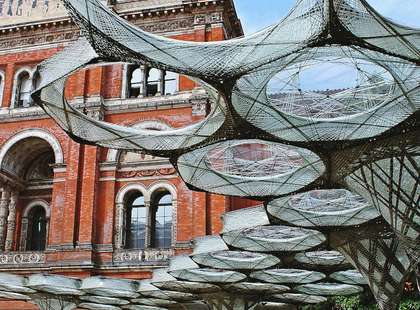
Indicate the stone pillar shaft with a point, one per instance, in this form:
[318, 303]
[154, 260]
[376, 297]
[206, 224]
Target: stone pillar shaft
[11, 222]
[145, 72]
[119, 226]
[4, 210]
[148, 233]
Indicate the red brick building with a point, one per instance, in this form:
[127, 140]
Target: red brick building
[81, 210]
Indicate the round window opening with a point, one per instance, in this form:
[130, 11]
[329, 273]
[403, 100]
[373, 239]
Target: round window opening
[325, 87]
[254, 160]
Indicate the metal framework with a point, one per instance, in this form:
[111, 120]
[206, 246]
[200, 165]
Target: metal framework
[337, 169]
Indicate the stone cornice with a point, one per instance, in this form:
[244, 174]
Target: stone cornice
[139, 15]
[110, 106]
[166, 20]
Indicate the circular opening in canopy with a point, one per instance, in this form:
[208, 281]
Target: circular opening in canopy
[327, 201]
[277, 232]
[322, 86]
[252, 160]
[236, 255]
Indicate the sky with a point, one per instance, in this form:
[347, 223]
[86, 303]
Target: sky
[257, 14]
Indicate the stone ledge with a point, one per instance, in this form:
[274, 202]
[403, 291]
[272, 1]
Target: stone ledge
[112, 106]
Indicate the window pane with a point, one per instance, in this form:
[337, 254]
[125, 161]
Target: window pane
[163, 222]
[24, 90]
[136, 224]
[37, 231]
[171, 83]
[36, 81]
[136, 83]
[153, 82]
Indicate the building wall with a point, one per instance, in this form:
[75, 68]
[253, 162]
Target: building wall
[81, 196]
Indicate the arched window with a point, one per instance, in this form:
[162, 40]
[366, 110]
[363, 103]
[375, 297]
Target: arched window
[135, 87]
[36, 81]
[37, 229]
[153, 82]
[148, 82]
[136, 222]
[23, 90]
[171, 83]
[161, 220]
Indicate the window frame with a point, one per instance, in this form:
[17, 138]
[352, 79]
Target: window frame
[154, 206]
[127, 224]
[32, 72]
[25, 224]
[144, 91]
[32, 245]
[122, 208]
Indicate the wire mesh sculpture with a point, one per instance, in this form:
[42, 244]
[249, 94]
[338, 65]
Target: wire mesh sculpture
[311, 156]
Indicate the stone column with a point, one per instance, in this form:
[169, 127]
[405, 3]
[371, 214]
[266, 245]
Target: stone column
[148, 233]
[23, 234]
[11, 222]
[119, 226]
[145, 71]
[4, 204]
[161, 90]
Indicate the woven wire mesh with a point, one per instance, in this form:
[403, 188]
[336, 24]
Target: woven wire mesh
[307, 153]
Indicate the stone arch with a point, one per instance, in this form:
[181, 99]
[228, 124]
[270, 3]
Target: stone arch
[163, 185]
[133, 187]
[114, 154]
[35, 203]
[33, 133]
[30, 71]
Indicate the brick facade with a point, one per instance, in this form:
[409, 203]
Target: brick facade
[87, 184]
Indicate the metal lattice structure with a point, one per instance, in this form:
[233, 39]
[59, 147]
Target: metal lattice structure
[338, 170]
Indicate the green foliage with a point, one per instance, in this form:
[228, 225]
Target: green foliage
[410, 304]
[359, 302]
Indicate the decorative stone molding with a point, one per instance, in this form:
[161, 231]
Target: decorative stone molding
[142, 256]
[201, 19]
[147, 173]
[19, 258]
[166, 26]
[36, 37]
